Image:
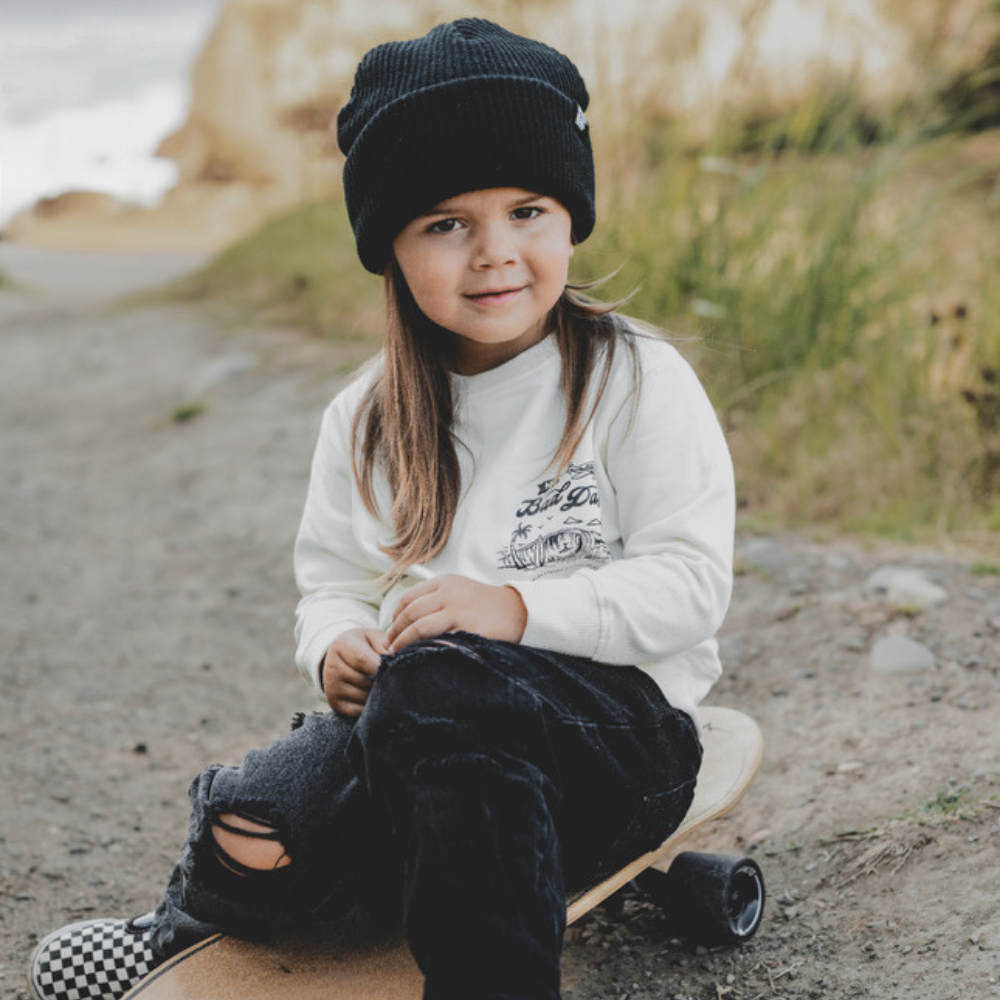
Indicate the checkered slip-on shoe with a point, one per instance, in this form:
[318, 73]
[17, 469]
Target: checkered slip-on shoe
[92, 960]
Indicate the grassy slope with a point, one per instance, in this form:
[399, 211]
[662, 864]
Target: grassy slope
[299, 269]
[836, 295]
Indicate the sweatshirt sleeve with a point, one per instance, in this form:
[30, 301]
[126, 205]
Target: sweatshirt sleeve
[672, 475]
[336, 579]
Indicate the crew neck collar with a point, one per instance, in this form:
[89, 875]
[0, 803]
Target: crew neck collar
[528, 360]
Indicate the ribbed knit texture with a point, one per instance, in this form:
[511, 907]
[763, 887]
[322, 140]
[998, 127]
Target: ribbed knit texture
[469, 105]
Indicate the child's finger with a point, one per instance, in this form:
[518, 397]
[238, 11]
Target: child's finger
[359, 655]
[341, 693]
[415, 611]
[379, 641]
[344, 673]
[366, 662]
[358, 680]
[428, 627]
[337, 673]
[415, 592]
[348, 708]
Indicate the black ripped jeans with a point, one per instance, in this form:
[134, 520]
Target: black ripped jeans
[497, 776]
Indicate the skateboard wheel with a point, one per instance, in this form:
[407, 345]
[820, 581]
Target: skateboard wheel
[712, 898]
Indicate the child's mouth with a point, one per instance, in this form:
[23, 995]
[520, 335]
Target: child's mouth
[495, 297]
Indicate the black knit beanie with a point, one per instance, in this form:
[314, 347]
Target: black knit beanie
[469, 105]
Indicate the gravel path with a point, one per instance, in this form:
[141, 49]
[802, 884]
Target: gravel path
[154, 468]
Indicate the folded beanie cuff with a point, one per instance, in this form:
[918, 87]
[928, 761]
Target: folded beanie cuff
[467, 106]
[464, 135]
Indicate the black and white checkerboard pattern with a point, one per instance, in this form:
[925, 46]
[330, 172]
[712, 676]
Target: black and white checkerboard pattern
[93, 960]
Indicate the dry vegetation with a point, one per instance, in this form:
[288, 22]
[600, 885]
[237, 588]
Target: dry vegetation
[829, 259]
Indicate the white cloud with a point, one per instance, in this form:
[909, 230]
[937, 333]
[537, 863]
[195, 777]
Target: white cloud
[105, 146]
[88, 88]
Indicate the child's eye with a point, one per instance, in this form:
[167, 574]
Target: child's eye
[443, 226]
[527, 212]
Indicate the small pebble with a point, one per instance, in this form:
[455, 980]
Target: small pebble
[905, 587]
[897, 654]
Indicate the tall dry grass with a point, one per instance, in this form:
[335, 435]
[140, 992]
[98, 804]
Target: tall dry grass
[840, 303]
[830, 264]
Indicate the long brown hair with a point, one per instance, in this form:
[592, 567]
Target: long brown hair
[403, 426]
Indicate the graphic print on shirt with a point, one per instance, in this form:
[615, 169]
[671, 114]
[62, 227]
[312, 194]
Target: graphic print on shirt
[560, 526]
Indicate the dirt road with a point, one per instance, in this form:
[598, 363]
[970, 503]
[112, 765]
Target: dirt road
[154, 464]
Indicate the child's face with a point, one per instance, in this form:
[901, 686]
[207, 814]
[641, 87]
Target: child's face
[488, 266]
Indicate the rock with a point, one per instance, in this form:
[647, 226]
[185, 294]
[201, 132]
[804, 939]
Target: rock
[850, 766]
[897, 654]
[766, 554]
[906, 587]
[986, 938]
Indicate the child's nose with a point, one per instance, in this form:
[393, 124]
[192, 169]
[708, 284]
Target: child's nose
[494, 246]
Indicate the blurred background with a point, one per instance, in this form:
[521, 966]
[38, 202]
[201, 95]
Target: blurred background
[807, 192]
[87, 92]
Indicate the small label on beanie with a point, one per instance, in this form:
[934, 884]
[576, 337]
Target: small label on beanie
[581, 119]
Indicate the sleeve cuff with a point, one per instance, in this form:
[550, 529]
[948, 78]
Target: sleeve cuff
[563, 615]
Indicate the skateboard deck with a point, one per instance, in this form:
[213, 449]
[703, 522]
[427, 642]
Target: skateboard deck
[340, 966]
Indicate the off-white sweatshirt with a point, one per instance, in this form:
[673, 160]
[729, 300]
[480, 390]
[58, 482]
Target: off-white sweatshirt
[625, 558]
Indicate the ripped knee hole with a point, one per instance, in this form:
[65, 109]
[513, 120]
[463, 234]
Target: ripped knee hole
[247, 846]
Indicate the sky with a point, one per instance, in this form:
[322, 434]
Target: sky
[88, 88]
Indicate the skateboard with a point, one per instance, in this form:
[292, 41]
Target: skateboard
[717, 900]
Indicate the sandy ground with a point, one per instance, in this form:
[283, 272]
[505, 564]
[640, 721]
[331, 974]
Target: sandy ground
[147, 599]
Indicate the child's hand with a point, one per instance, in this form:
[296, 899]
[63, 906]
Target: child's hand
[350, 666]
[453, 603]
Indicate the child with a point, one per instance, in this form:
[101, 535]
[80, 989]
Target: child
[515, 552]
